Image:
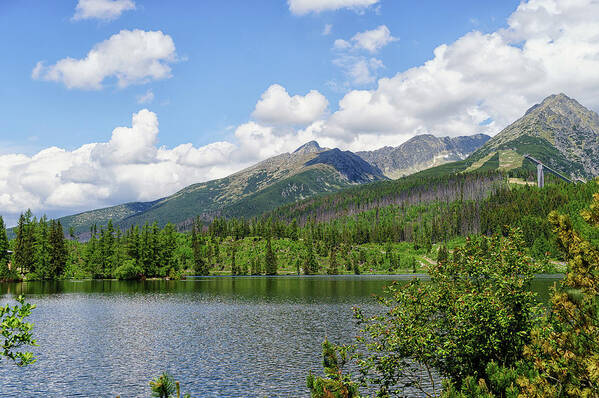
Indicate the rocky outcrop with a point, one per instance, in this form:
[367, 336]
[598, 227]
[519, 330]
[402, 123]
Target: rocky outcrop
[422, 152]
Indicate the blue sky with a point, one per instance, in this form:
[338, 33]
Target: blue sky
[110, 101]
[231, 52]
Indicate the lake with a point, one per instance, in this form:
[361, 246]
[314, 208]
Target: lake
[219, 336]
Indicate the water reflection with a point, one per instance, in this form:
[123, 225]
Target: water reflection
[221, 336]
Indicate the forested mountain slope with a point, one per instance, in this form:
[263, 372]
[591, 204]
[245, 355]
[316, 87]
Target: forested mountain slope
[282, 179]
[404, 192]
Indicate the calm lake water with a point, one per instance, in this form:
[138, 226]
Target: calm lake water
[219, 336]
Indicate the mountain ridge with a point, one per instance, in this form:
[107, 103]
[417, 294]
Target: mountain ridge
[422, 152]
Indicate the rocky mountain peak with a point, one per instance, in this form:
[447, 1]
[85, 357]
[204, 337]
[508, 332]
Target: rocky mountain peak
[559, 104]
[308, 147]
[558, 131]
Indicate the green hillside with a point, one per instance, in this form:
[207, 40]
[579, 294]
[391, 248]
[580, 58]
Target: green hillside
[184, 205]
[285, 178]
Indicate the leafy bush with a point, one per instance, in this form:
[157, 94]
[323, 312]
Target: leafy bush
[476, 310]
[128, 271]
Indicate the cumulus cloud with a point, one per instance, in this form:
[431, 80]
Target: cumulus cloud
[106, 10]
[303, 7]
[277, 107]
[130, 57]
[129, 166]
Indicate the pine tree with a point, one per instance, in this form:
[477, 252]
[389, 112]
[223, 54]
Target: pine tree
[255, 265]
[310, 263]
[134, 245]
[58, 250]
[293, 228]
[109, 249]
[24, 244]
[93, 255]
[234, 269]
[356, 264]
[155, 250]
[565, 347]
[443, 254]
[146, 250]
[197, 245]
[168, 245]
[4, 256]
[333, 269]
[42, 249]
[298, 263]
[270, 260]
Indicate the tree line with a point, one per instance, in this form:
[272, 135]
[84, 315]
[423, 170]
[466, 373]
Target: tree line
[347, 233]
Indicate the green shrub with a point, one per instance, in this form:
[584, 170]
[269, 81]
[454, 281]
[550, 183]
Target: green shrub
[128, 271]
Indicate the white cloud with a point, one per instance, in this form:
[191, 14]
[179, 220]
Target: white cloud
[277, 107]
[327, 29]
[548, 47]
[146, 98]
[130, 57]
[130, 166]
[106, 10]
[341, 44]
[302, 7]
[373, 40]
[359, 69]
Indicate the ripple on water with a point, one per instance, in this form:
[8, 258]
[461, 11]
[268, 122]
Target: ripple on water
[221, 337]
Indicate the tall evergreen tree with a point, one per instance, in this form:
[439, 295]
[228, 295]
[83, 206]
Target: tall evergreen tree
[234, 269]
[197, 245]
[4, 256]
[443, 254]
[256, 269]
[168, 245]
[310, 263]
[333, 269]
[270, 259]
[42, 249]
[58, 250]
[24, 255]
[356, 264]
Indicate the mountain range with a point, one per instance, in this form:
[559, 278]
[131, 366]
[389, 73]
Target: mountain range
[558, 131]
[282, 179]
